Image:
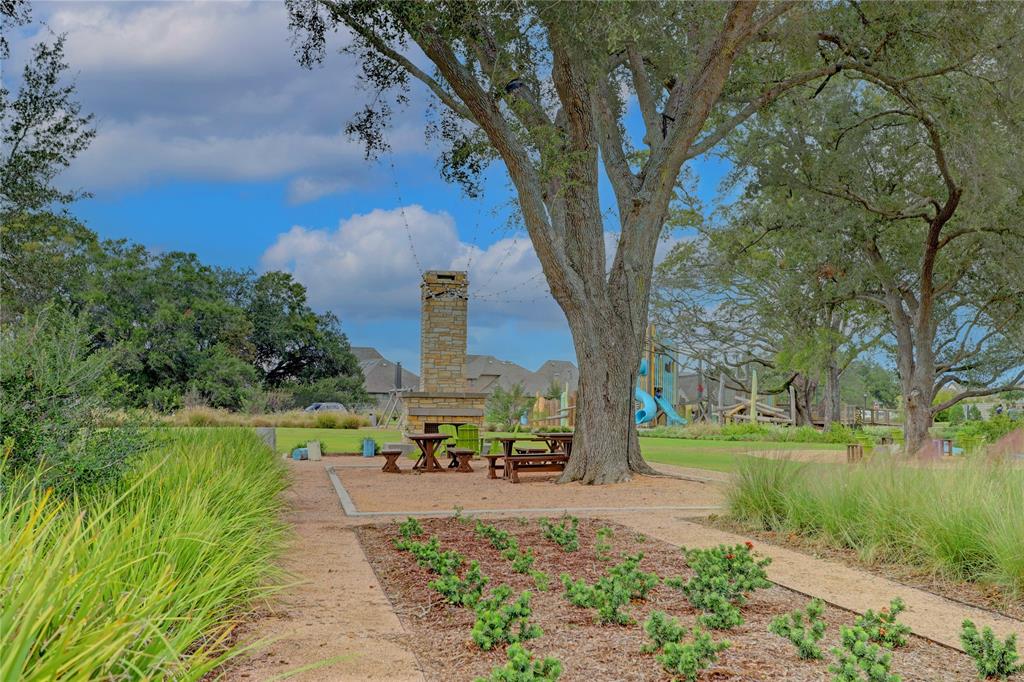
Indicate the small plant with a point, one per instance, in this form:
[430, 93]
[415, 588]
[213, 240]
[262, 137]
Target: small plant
[429, 555]
[882, 627]
[637, 582]
[686, 660]
[521, 667]
[564, 533]
[463, 591]
[498, 622]
[607, 595]
[723, 577]
[522, 560]
[459, 515]
[541, 580]
[410, 528]
[662, 629]
[992, 658]
[804, 628]
[603, 545]
[860, 660]
[499, 539]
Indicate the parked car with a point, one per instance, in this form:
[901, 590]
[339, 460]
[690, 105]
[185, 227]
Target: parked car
[326, 407]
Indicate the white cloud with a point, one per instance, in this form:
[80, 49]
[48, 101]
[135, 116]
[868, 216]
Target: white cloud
[366, 270]
[211, 91]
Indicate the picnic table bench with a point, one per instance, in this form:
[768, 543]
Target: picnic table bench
[551, 461]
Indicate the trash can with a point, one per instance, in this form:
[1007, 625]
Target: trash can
[369, 447]
[300, 454]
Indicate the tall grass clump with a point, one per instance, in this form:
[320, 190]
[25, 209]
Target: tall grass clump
[142, 579]
[965, 523]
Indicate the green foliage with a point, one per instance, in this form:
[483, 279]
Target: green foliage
[882, 627]
[541, 580]
[55, 389]
[628, 573]
[564, 533]
[685, 661]
[464, 591]
[888, 512]
[610, 593]
[507, 406]
[868, 377]
[860, 660]
[990, 430]
[723, 577]
[498, 622]
[992, 658]
[804, 628]
[410, 528]
[742, 432]
[522, 668]
[500, 540]
[661, 629]
[603, 545]
[147, 578]
[429, 555]
[522, 560]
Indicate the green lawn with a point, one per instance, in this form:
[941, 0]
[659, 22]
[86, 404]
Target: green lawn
[717, 455]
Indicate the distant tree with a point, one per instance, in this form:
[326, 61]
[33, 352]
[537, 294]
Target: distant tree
[906, 174]
[507, 406]
[867, 377]
[42, 130]
[554, 390]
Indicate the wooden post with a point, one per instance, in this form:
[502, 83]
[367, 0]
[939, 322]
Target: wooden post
[792, 404]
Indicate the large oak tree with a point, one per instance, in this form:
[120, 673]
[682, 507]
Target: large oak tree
[546, 88]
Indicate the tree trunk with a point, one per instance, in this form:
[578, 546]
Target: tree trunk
[917, 417]
[804, 388]
[832, 406]
[605, 447]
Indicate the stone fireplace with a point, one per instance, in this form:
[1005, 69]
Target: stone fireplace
[442, 397]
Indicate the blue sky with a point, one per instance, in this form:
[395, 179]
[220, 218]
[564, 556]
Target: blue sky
[213, 140]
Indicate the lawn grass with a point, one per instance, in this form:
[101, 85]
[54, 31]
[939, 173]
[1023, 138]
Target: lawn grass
[716, 455]
[143, 579]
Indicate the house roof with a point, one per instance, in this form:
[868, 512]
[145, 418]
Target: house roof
[379, 376]
[364, 353]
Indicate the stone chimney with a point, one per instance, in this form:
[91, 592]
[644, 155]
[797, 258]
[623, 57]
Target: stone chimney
[443, 300]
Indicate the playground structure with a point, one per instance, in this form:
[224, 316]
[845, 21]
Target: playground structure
[656, 383]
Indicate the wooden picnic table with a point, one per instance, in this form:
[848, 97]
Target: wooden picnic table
[508, 441]
[558, 441]
[427, 443]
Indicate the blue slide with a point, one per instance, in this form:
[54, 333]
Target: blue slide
[671, 415]
[648, 410]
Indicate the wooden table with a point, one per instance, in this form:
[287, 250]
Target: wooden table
[508, 441]
[427, 443]
[558, 442]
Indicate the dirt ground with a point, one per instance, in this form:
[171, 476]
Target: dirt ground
[595, 653]
[373, 491]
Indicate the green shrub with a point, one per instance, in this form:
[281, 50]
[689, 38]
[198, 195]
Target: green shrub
[723, 577]
[603, 545]
[148, 578]
[54, 389]
[541, 580]
[465, 591]
[804, 628]
[889, 512]
[498, 622]
[564, 533]
[429, 555]
[499, 539]
[351, 421]
[522, 560]
[661, 629]
[992, 658]
[689, 658]
[860, 660]
[883, 628]
[608, 595]
[635, 581]
[522, 668]
[410, 528]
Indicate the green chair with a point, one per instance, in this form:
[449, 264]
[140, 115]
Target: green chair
[451, 431]
[469, 437]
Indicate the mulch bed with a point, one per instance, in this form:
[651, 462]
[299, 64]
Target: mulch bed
[981, 595]
[439, 634]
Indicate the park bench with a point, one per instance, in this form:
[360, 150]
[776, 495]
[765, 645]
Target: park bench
[552, 461]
